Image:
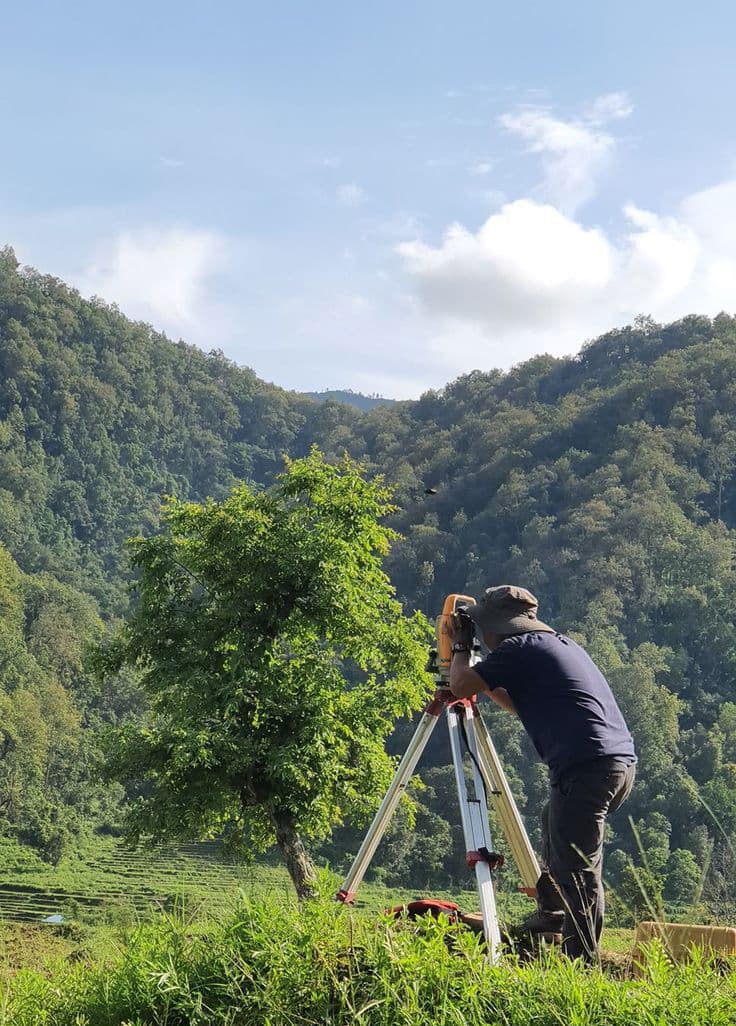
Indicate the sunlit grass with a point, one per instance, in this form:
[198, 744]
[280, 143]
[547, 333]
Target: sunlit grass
[270, 962]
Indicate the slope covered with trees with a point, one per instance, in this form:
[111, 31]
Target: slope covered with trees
[47, 710]
[606, 483]
[356, 399]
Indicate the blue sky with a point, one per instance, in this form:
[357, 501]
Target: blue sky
[382, 195]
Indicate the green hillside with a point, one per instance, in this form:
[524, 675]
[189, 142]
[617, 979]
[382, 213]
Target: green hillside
[604, 482]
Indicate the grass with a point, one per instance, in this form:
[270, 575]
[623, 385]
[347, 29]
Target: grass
[102, 880]
[103, 889]
[270, 963]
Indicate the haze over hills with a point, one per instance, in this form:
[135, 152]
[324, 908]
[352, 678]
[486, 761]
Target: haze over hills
[606, 483]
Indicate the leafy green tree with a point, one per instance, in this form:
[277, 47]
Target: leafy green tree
[275, 659]
[684, 878]
[639, 881]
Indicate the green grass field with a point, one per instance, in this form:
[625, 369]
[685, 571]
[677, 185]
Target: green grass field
[104, 886]
[269, 963]
[105, 881]
[103, 878]
[180, 938]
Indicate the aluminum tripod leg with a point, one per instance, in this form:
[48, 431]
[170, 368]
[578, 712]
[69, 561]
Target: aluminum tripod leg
[509, 818]
[474, 817]
[403, 775]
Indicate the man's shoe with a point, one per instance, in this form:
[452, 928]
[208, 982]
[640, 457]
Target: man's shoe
[541, 921]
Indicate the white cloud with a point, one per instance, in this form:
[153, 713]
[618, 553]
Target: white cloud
[522, 264]
[482, 168]
[156, 274]
[573, 152]
[609, 107]
[171, 161]
[350, 195]
[532, 278]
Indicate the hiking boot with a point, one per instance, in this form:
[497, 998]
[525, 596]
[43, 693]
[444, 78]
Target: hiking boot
[541, 921]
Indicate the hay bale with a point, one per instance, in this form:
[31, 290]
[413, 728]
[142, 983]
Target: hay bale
[679, 940]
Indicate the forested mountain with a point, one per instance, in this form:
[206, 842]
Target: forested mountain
[606, 483]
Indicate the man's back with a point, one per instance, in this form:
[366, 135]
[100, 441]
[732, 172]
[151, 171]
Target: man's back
[562, 698]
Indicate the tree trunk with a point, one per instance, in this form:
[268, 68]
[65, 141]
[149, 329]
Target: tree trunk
[300, 866]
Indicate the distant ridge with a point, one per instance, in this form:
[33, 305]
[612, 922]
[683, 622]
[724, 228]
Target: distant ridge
[350, 398]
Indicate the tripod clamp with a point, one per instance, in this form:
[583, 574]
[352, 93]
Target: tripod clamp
[494, 859]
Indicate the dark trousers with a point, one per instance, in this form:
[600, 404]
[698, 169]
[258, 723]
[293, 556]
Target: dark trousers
[573, 824]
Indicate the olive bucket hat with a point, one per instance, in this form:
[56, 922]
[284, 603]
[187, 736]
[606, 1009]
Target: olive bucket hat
[507, 609]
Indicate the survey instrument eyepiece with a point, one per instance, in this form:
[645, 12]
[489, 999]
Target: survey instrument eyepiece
[451, 621]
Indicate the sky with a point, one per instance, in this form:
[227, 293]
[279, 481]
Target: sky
[376, 196]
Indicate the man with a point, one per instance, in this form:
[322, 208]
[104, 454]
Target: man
[569, 711]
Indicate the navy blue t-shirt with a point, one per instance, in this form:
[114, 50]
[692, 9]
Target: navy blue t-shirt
[562, 698]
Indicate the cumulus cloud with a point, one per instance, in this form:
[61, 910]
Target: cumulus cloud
[532, 278]
[156, 274]
[524, 259]
[573, 152]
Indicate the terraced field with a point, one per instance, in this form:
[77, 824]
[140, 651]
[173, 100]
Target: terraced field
[107, 880]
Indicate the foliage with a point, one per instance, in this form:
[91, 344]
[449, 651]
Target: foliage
[351, 398]
[282, 965]
[275, 660]
[605, 482]
[45, 795]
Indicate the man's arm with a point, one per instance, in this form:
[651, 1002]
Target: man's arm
[465, 682]
[501, 697]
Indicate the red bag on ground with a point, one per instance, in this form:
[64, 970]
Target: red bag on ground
[426, 907]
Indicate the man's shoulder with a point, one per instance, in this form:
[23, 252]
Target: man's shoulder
[533, 639]
[550, 648]
[522, 646]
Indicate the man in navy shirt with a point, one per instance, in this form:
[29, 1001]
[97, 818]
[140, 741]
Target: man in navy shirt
[569, 711]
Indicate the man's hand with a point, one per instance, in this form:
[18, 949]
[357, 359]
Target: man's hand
[461, 630]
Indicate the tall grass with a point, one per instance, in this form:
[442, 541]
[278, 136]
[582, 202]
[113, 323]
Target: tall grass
[273, 964]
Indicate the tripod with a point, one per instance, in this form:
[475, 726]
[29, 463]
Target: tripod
[468, 734]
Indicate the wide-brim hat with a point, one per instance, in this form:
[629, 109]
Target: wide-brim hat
[507, 609]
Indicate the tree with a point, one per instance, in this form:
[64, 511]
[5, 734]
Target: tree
[684, 878]
[275, 659]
